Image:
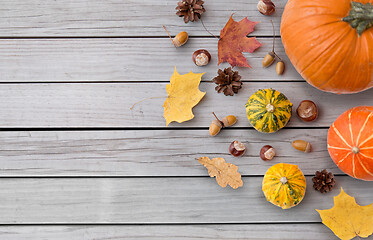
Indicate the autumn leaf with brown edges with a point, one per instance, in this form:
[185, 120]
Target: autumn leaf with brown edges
[233, 41]
[347, 219]
[225, 173]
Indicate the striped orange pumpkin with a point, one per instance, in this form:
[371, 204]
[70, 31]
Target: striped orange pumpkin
[350, 142]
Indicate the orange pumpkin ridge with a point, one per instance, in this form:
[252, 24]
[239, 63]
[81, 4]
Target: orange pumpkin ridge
[350, 142]
[330, 43]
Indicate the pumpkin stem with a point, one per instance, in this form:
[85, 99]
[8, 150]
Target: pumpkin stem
[360, 16]
[270, 108]
[283, 180]
[355, 150]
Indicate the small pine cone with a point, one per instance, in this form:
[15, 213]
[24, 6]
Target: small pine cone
[228, 81]
[191, 10]
[323, 181]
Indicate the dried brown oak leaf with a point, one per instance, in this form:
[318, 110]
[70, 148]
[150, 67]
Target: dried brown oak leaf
[225, 173]
[233, 41]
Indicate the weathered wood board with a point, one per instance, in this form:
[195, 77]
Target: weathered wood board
[81, 18]
[161, 232]
[122, 59]
[151, 153]
[157, 200]
[100, 105]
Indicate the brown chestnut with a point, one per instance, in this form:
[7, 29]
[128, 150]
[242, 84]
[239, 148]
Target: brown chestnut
[307, 111]
[266, 7]
[237, 148]
[267, 153]
[201, 57]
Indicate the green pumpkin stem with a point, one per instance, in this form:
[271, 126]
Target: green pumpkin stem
[360, 16]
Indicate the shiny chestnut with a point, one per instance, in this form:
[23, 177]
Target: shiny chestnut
[201, 57]
[237, 149]
[307, 111]
[267, 153]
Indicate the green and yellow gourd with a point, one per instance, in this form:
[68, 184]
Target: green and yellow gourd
[268, 110]
[284, 185]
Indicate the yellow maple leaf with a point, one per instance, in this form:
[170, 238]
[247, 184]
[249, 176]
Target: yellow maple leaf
[347, 219]
[183, 94]
[225, 173]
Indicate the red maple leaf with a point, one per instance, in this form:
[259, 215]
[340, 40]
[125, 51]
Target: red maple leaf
[233, 41]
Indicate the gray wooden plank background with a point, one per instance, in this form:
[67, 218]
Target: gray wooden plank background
[157, 200]
[77, 163]
[151, 153]
[122, 59]
[108, 104]
[114, 18]
[172, 232]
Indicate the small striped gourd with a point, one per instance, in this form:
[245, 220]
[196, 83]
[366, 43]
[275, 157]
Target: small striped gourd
[268, 110]
[284, 185]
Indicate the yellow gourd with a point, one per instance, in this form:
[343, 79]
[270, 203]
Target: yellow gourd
[284, 185]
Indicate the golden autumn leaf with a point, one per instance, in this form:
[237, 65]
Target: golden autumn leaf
[225, 173]
[347, 219]
[183, 94]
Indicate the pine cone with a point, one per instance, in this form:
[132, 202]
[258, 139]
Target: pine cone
[228, 81]
[191, 10]
[323, 181]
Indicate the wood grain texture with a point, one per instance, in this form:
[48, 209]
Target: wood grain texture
[122, 18]
[157, 200]
[172, 232]
[116, 59]
[151, 153]
[108, 105]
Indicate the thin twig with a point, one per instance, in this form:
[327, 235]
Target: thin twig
[274, 37]
[144, 100]
[169, 36]
[208, 30]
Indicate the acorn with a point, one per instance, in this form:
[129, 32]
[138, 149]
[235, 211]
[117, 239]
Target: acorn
[280, 67]
[180, 39]
[218, 124]
[271, 57]
[229, 120]
[268, 59]
[215, 127]
[302, 146]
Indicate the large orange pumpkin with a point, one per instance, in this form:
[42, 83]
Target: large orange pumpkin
[330, 43]
[350, 142]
